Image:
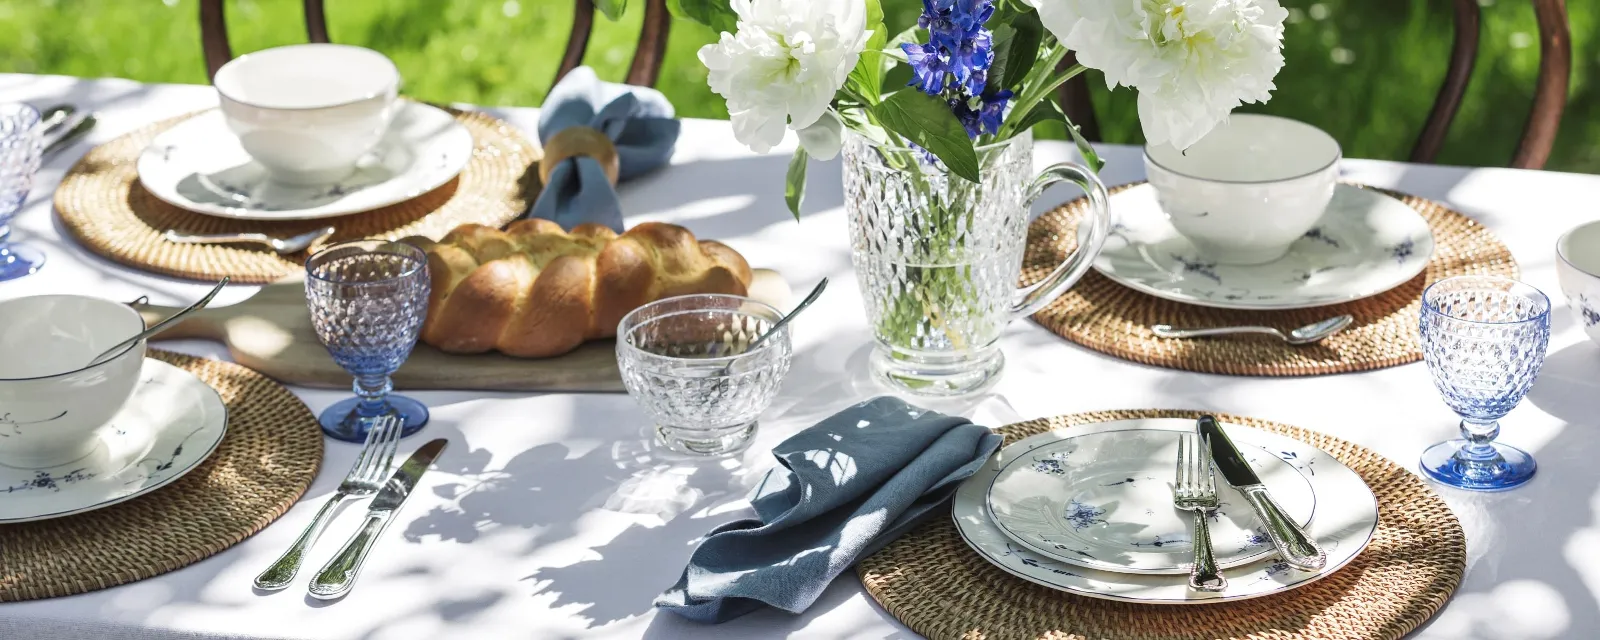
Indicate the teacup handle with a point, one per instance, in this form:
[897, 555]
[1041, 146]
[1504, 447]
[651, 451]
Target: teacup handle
[1036, 296]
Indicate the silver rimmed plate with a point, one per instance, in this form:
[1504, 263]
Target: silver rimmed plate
[1366, 243]
[1346, 519]
[1104, 501]
[171, 424]
[198, 165]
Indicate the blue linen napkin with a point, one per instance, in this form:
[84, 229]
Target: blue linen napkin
[639, 121]
[847, 487]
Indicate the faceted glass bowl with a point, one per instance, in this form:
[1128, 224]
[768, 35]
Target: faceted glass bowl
[687, 361]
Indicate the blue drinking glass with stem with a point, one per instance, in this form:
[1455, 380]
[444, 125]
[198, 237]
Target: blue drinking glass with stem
[367, 300]
[20, 150]
[1484, 339]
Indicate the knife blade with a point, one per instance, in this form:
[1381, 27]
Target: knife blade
[339, 575]
[1292, 542]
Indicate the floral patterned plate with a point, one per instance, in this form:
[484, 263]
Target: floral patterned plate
[171, 424]
[1365, 244]
[1347, 518]
[1104, 500]
[198, 165]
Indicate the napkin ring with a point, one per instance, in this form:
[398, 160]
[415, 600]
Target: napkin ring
[573, 142]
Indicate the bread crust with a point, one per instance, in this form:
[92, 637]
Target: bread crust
[536, 291]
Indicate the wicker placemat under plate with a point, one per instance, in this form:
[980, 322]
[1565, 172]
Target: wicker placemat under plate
[101, 202]
[266, 461]
[1110, 318]
[941, 588]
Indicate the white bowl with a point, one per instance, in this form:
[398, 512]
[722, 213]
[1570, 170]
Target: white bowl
[1579, 271]
[308, 112]
[51, 405]
[1247, 190]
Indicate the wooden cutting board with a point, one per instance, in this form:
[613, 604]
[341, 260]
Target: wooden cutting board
[271, 332]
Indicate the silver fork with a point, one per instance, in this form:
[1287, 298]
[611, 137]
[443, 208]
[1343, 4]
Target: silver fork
[372, 466]
[1196, 490]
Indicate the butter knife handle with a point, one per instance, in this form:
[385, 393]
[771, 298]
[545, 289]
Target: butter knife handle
[1297, 548]
[340, 573]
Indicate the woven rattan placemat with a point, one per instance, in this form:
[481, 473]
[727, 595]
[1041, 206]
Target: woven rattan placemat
[264, 464]
[940, 588]
[101, 202]
[1110, 318]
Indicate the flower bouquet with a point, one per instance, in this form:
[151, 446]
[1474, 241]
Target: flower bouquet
[935, 127]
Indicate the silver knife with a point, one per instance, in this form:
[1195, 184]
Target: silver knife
[1297, 548]
[340, 573]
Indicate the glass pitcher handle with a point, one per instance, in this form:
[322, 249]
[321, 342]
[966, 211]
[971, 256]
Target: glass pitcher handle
[1034, 297]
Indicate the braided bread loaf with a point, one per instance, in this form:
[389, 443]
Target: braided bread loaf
[535, 291]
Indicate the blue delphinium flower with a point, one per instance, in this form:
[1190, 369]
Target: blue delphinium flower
[982, 114]
[954, 63]
[930, 67]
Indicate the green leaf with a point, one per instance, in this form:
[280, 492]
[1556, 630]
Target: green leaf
[866, 79]
[1021, 50]
[1002, 37]
[875, 17]
[1045, 111]
[1089, 156]
[716, 14]
[794, 188]
[612, 8]
[927, 121]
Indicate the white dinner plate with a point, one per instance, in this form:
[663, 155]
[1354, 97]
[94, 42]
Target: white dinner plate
[171, 424]
[1347, 518]
[198, 165]
[1104, 500]
[1366, 243]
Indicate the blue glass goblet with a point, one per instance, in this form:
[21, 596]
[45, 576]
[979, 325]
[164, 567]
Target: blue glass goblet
[20, 149]
[1484, 339]
[368, 299]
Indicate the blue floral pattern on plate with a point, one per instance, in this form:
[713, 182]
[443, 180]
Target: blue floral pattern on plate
[1365, 244]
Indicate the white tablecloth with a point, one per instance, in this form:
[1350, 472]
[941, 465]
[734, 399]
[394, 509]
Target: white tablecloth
[548, 516]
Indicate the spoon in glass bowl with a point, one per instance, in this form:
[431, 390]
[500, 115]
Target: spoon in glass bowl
[1314, 332]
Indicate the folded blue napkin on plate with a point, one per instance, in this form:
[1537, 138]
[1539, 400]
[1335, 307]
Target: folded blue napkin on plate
[846, 487]
[639, 121]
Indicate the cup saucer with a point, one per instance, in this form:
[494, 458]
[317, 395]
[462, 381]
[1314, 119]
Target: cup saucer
[1364, 244]
[171, 424]
[199, 165]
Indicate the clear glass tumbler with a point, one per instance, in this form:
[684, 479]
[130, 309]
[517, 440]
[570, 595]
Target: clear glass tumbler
[1484, 339]
[20, 150]
[687, 361]
[368, 299]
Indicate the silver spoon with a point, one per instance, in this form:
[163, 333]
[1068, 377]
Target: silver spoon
[53, 117]
[816, 292]
[72, 135]
[160, 326]
[294, 244]
[1314, 332]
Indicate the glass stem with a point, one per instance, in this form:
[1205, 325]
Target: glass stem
[374, 393]
[1478, 435]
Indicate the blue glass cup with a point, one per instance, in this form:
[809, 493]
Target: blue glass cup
[1484, 339]
[20, 151]
[368, 299]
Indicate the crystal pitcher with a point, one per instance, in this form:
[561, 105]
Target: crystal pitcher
[938, 258]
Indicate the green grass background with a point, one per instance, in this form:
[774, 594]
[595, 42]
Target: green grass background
[1365, 70]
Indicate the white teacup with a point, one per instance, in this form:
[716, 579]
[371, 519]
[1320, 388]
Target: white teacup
[308, 112]
[51, 405]
[1247, 190]
[1578, 267]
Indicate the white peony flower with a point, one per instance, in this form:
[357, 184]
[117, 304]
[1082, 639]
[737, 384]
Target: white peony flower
[785, 64]
[1192, 61]
[823, 139]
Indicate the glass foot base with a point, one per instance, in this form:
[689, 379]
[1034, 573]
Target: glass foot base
[937, 376]
[17, 260]
[1510, 468]
[706, 442]
[340, 421]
